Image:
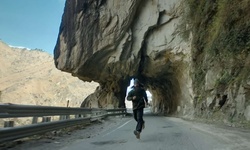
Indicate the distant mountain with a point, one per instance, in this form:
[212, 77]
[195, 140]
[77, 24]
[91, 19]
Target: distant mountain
[30, 77]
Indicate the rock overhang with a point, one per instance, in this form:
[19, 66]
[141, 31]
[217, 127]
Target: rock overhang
[101, 43]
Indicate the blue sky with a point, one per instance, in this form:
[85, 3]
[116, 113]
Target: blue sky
[31, 23]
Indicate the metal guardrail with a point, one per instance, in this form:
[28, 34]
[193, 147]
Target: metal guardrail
[14, 111]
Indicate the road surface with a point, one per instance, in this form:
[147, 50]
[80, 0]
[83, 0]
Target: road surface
[164, 133]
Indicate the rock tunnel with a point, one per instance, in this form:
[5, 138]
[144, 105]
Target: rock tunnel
[111, 42]
[164, 90]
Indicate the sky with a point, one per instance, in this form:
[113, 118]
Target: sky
[33, 24]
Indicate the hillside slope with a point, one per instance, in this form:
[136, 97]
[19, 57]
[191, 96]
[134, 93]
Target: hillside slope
[30, 77]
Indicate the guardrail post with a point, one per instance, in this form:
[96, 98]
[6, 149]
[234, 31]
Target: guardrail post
[79, 116]
[64, 117]
[125, 112]
[46, 119]
[8, 124]
[34, 120]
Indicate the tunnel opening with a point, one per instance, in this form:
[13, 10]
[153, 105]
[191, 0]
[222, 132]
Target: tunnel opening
[162, 94]
[164, 91]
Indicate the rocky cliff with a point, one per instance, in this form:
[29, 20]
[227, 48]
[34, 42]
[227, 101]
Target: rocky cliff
[193, 56]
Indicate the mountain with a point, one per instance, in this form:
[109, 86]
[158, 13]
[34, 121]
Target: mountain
[30, 77]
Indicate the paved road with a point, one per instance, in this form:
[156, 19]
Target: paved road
[162, 133]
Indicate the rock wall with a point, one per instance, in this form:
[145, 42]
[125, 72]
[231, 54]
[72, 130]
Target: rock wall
[220, 53]
[165, 44]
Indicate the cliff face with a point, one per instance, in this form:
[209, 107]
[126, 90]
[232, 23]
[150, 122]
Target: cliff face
[181, 57]
[221, 60]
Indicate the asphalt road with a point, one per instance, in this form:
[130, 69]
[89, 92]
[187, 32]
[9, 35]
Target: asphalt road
[163, 133]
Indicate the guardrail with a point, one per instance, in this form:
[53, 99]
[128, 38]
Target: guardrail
[81, 115]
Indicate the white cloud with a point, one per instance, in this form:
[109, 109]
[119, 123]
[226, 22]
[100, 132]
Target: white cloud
[20, 47]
